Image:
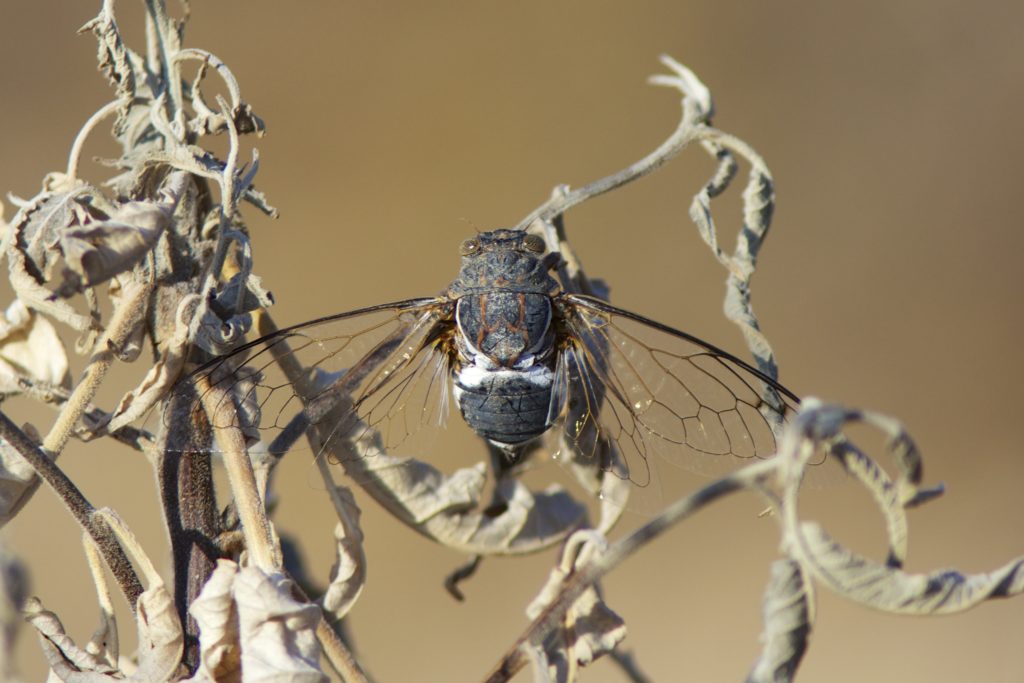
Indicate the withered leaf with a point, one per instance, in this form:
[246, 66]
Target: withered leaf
[589, 629]
[787, 624]
[30, 348]
[892, 590]
[38, 227]
[348, 575]
[441, 506]
[250, 622]
[114, 61]
[17, 482]
[160, 643]
[97, 252]
[67, 661]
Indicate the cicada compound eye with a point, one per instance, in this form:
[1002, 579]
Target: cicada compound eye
[534, 243]
[470, 246]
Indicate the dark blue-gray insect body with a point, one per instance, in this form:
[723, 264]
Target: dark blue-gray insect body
[504, 367]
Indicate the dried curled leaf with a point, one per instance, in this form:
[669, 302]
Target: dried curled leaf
[32, 246]
[818, 427]
[892, 590]
[214, 611]
[30, 348]
[67, 661]
[209, 122]
[246, 121]
[17, 481]
[114, 61]
[224, 320]
[96, 252]
[589, 629]
[159, 633]
[348, 575]
[787, 625]
[249, 622]
[159, 653]
[445, 507]
[39, 224]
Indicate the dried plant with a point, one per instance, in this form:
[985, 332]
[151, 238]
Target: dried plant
[164, 242]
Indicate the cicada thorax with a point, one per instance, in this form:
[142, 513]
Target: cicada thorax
[504, 367]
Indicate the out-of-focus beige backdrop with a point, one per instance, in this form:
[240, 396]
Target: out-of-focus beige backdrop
[891, 279]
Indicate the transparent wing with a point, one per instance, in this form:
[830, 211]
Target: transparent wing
[383, 368]
[653, 390]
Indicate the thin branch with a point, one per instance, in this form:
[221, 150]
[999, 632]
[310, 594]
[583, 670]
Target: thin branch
[121, 324]
[78, 506]
[259, 538]
[227, 179]
[222, 69]
[690, 127]
[76, 147]
[110, 638]
[56, 396]
[338, 654]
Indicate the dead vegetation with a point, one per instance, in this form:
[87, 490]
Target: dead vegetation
[163, 245]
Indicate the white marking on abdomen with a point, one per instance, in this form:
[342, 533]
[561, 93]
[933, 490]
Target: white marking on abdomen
[472, 376]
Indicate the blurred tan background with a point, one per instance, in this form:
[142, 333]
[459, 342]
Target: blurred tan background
[891, 279]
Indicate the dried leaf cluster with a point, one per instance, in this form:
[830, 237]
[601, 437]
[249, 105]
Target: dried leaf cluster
[165, 243]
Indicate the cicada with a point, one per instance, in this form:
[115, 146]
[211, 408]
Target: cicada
[522, 359]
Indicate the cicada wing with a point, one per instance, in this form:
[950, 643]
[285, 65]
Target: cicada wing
[652, 390]
[383, 368]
